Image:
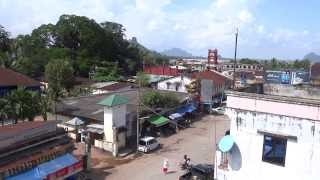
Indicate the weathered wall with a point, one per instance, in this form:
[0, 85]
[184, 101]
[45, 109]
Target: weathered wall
[302, 155]
[289, 90]
[172, 87]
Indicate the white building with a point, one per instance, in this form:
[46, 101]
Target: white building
[107, 87]
[177, 84]
[273, 137]
[115, 110]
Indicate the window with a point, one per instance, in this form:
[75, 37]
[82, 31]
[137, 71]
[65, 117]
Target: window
[143, 143]
[274, 149]
[223, 161]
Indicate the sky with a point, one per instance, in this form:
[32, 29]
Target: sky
[285, 29]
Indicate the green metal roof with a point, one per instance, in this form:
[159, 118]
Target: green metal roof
[158, 120]
[114, 100]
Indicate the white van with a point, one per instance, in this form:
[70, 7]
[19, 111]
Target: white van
[147, 144]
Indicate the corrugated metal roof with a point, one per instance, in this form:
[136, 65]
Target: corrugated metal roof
[9, 77]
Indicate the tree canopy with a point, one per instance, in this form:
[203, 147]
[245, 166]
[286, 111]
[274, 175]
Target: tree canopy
[155, 99]
[83, 42]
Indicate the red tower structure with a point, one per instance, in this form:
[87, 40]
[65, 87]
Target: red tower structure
[213, 56]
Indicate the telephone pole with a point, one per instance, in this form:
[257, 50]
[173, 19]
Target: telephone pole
[235, 59]
[138, 111]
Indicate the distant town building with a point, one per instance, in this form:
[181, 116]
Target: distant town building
[212, 85]
[315, 74]
[287, 77]
[161, 70]
[107, 87]
[11, 80]
[271, 137]
[177, 83]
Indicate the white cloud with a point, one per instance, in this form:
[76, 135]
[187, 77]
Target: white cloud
[159, 27]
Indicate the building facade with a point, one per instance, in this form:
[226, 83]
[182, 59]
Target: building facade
[177, 84]
[273, 138]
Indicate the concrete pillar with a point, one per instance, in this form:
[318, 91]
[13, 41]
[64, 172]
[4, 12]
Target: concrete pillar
[115, 142]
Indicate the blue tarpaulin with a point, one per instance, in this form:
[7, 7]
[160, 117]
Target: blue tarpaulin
[189, 108]
[41, 171]
[31, 174]
[175, 116]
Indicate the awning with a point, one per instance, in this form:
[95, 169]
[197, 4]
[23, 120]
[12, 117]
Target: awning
[43, 170]
[226, 143]
[175, 116]
[95, 128]
[158, 120]
[31, 174]
[189, 108]
[75, 122]
[56, 164]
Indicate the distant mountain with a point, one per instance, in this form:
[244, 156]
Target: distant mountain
[176, 52]
[312, 57]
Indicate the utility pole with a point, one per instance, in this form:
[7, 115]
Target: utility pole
[138, 111]
[235, 59]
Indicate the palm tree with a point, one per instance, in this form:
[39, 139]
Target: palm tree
[3, 110]
[45, 105]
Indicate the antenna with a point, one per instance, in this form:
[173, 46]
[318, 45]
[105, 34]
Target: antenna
[235, 59]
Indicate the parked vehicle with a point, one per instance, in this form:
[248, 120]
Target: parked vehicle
[199, 171]
[147, 144]
[218, 110]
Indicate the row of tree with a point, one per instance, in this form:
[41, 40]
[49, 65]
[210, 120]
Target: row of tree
[155, 99]
[275, 64]
[84, 43]
[23, 105]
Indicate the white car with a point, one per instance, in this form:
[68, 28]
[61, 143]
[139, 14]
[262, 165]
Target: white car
[219, 110]
[147, 144]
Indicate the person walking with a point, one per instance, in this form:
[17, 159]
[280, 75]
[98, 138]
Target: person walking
[165, 166]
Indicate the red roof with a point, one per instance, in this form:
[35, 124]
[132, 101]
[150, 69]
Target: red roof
[315, 71]
[9, 77]
[161, 70]
[211, 75]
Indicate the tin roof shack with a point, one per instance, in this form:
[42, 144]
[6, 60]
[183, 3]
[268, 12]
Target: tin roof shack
[271, 137]
[107, 87]
[10, 80]
[27, 148]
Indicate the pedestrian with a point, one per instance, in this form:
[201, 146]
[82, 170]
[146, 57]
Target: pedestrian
[165, 166]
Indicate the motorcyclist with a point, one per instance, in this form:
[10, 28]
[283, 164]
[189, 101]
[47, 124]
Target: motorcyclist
[186, 162]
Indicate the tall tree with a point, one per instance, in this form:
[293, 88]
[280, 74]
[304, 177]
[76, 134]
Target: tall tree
[45, 105]
[59, 74]
[4, 39]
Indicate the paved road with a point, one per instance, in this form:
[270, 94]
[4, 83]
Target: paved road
[198, 142]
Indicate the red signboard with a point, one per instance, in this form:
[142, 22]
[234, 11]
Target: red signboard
[65, 171]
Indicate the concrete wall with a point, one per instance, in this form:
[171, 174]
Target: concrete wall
[119, 115]
[182, 88]
[248, 116]
[108, 124]
[290, 90]
[108, 146]
[114, 117]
